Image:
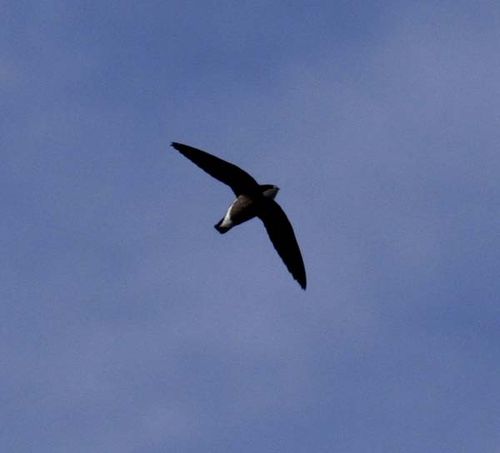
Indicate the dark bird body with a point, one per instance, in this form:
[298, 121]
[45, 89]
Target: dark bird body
[252, 200]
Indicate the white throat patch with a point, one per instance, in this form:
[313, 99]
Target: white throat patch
[270, 193]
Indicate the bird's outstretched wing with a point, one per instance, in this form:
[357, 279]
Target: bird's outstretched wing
[236, 178]
[281, 233]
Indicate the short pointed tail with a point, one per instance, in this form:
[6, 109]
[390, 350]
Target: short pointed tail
[221, 229]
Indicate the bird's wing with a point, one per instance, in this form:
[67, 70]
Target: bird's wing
[236, 178]
[281, 233]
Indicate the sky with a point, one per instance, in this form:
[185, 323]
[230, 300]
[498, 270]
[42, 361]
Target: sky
[128, 324]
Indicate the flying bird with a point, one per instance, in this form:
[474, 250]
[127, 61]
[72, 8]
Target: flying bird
[252, 200]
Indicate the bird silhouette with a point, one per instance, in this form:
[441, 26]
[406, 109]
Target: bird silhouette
[252, 200]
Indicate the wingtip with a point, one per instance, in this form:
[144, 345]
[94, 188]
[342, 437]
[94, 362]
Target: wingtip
[301, 280]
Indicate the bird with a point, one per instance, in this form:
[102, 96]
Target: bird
[252, 200]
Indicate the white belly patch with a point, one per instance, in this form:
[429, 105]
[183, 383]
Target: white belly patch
[227, 222]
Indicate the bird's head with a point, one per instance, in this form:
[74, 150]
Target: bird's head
[269, 190]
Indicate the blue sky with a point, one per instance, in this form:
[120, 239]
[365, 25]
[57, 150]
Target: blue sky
[127, 323]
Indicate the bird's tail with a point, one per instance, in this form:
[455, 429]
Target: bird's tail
[221, 229]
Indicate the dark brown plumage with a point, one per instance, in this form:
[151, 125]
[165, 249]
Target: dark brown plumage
[252, 200]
